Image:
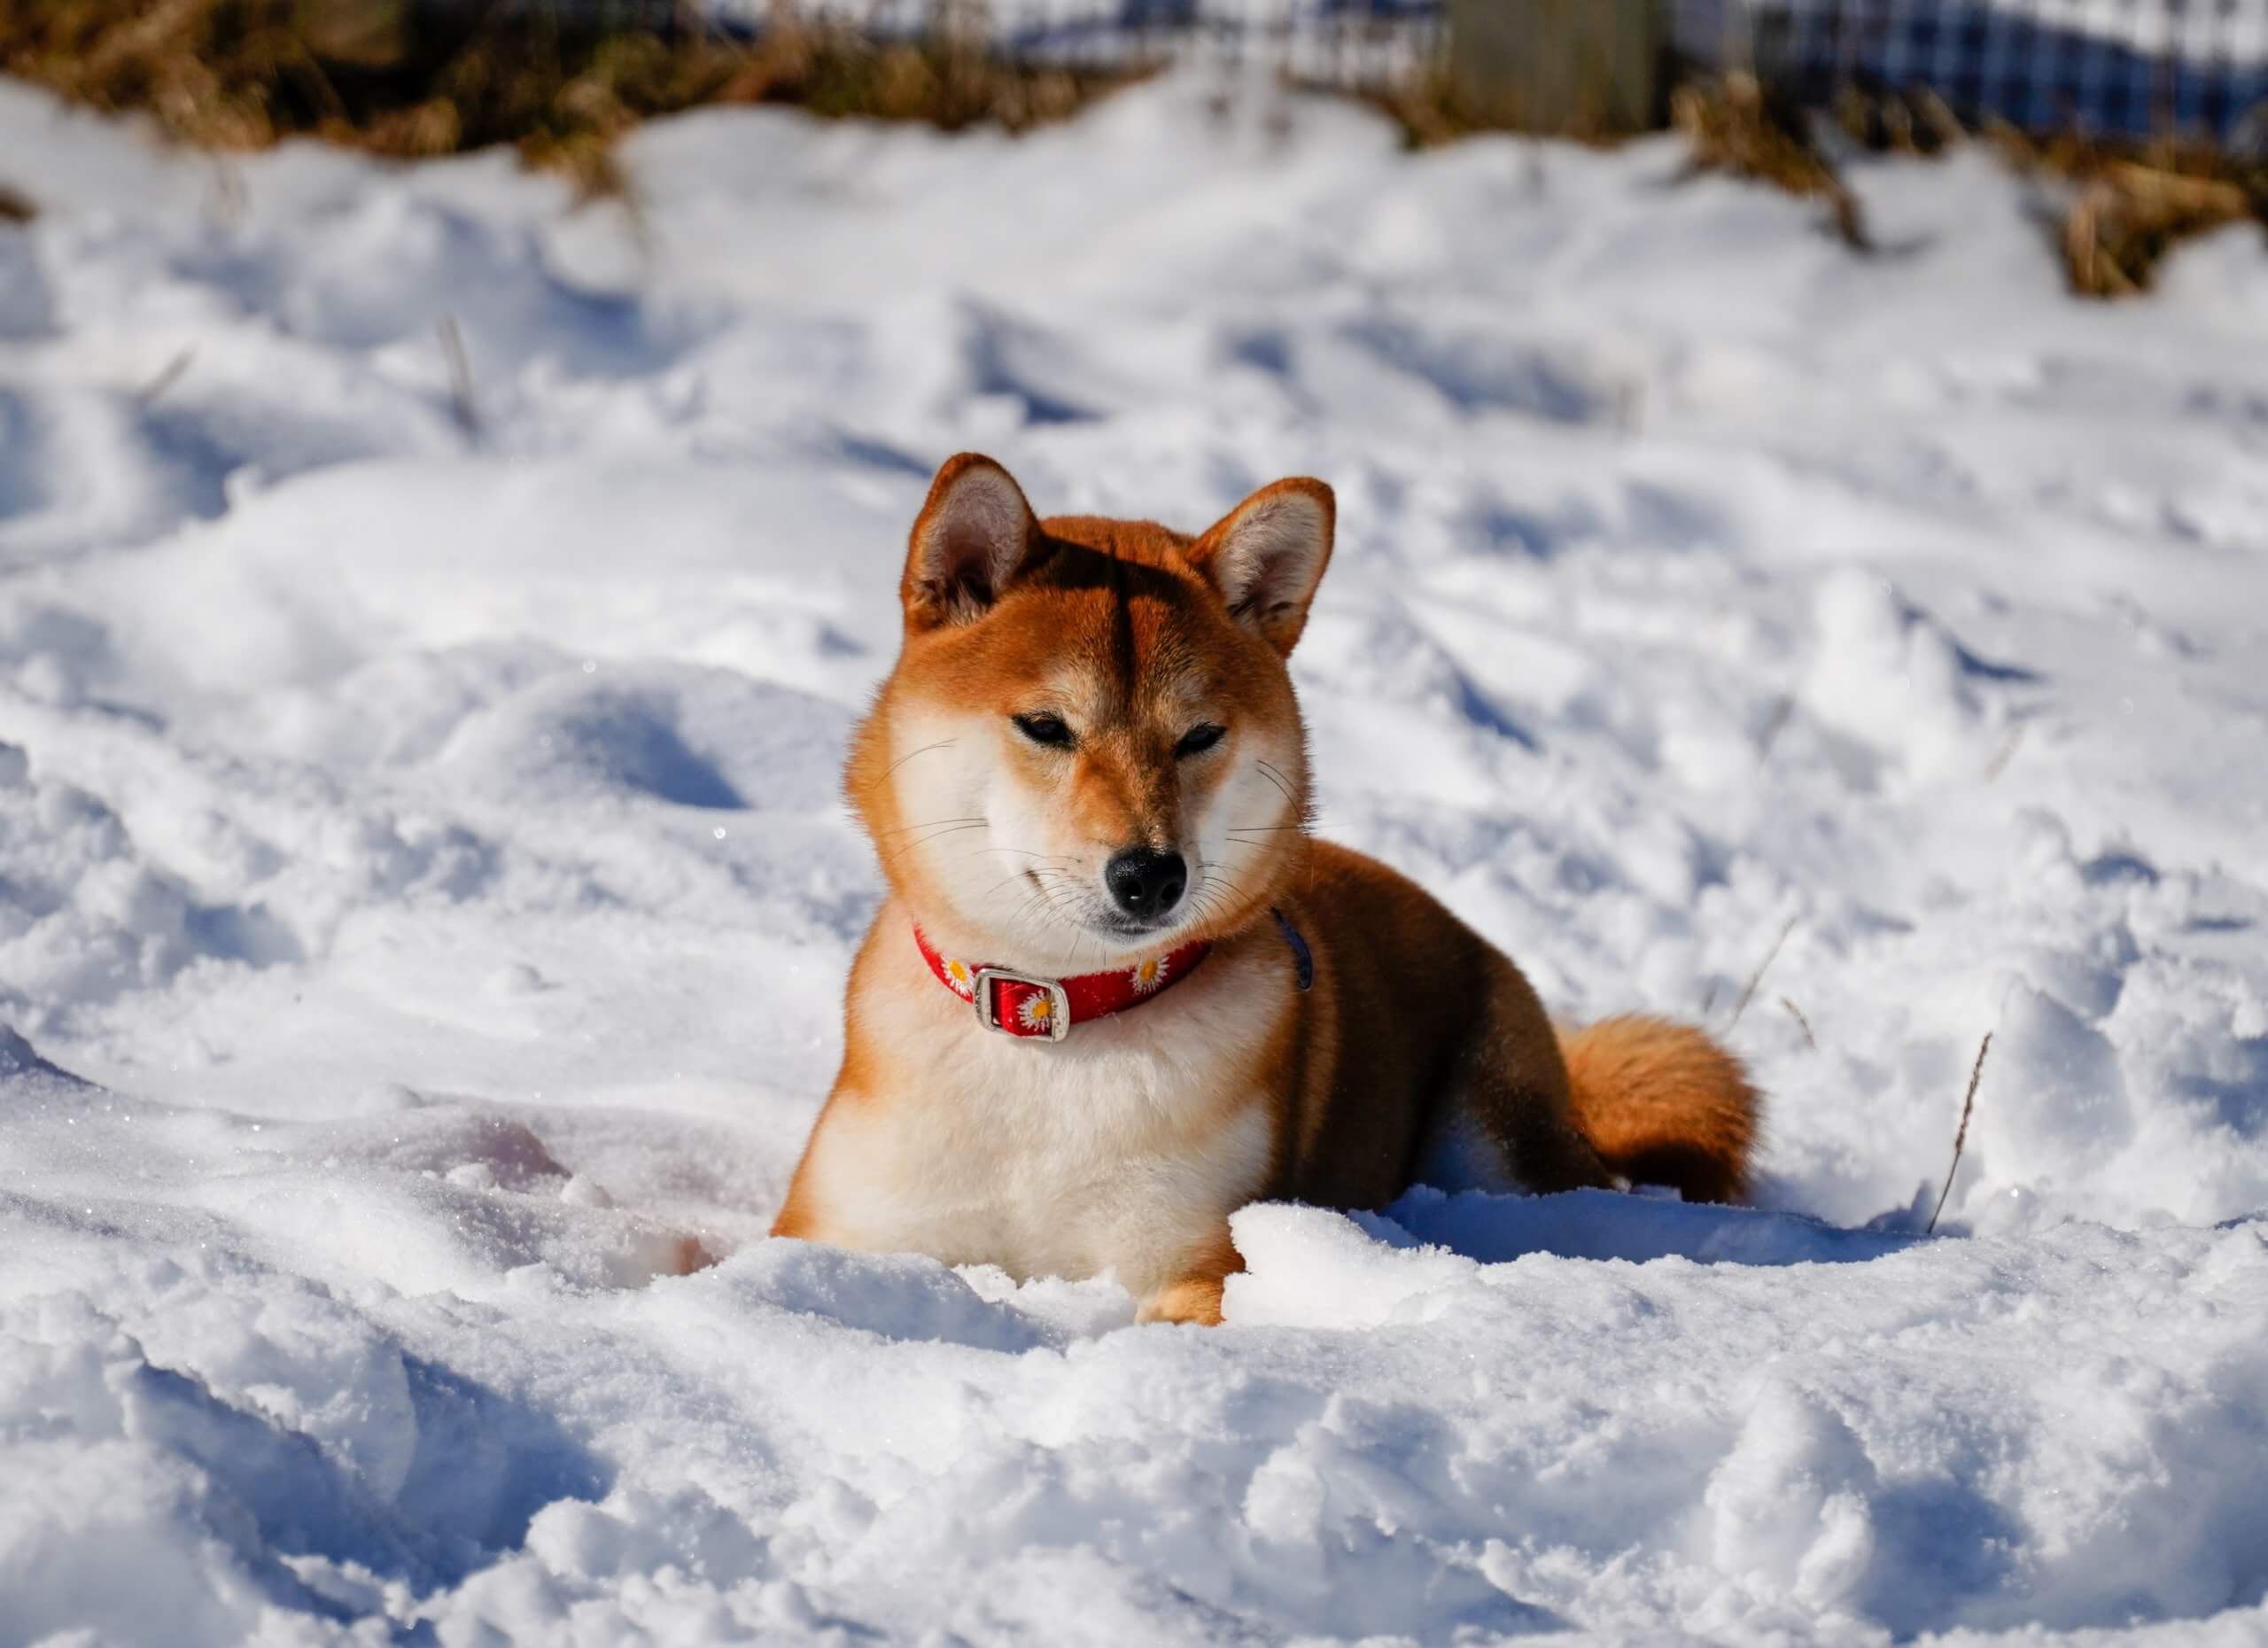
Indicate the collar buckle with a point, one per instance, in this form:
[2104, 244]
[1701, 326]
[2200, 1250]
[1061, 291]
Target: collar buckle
[988, 1006]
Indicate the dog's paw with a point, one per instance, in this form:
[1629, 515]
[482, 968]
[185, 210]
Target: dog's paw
[1197, 1299]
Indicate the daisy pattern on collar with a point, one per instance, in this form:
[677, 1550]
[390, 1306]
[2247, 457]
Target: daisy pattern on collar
[961, 978]
[1148, 974]
[1037, 1012]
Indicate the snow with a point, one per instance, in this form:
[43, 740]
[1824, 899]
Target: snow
[423, 893]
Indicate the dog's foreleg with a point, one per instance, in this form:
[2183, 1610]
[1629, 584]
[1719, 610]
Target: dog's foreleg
[1195, 1295]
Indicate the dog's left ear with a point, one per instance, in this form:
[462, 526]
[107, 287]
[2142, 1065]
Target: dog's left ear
[1267, 555]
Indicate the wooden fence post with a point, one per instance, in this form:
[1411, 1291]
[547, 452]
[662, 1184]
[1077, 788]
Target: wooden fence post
[1586, 68]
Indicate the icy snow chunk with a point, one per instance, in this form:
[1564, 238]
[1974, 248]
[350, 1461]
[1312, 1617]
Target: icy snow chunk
[582, 1191]
[1891, 674]
[639, 1533]
[397, 708]
[966, 359]
[516, 978]
[387, 266]
[1788, 1507]
[897, 1295]
[81, 467]
[2057, 1105]
[20, 1061]
[1312, 1267]
[1481, 370]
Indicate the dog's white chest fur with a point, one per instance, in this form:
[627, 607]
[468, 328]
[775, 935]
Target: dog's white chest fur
[1100, 1153]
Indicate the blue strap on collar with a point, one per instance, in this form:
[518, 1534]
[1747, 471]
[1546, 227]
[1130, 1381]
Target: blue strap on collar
[1302, 958]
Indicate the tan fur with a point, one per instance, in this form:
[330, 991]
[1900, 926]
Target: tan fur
[1418, 1051]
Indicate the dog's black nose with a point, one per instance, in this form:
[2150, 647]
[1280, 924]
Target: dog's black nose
[1147, 884]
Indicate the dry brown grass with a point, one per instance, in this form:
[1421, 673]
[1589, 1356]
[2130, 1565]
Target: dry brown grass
[2126, 206]
[393, 81]
[1732, 125]
[386, 76]
[1427, 107]
[2118, 208]
[1433, 110]
[1961, 1133]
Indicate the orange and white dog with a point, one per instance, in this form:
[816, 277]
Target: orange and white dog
[1118, 990]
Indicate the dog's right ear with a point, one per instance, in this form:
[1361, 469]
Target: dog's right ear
[970, 539]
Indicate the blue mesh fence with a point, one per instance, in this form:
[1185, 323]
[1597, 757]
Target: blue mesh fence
[2125, 68]
[2113, 67]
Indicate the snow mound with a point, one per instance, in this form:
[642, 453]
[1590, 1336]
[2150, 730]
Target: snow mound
[714, 740]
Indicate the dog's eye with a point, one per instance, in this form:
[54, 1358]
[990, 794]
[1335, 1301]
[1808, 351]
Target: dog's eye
[1044, 730]
[1200, 738]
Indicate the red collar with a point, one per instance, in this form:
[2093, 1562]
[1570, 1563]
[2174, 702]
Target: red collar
[1026, 1005]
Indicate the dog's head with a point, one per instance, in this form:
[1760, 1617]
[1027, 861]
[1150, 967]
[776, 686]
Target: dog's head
[1090, 750]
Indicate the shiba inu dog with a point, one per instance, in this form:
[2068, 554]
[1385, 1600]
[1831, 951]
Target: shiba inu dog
[1118, 989]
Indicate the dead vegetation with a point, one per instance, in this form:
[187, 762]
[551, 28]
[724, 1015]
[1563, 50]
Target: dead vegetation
[2128, 209]
[399, 78]
[1961, 1133]
[412, 79]
[1748, 991]
[1732, 125]
[1432, 109]
[1434, 105]
[2114, 209]
[1802, 1023]
[1427, 106]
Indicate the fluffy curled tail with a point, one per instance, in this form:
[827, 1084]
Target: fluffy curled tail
[1662, 1103]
